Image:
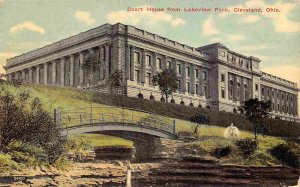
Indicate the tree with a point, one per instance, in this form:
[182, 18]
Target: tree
[257, 112]
[167, 82]
[91, 64]
[115, 80]
[198, 120]
[25, 124]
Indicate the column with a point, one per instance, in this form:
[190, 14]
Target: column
[46, 73]
[132, 68]
[107, 58]
[91, 76]
[127, 62]
[81, 59]
[184, 77]
[102, 69]
[53, 72]
[62, 71]
[154, 65]
[8, 77]
[193, 78]
[37, 74]
[23, 75]
[72, 70]
[30, 74]
[143, 70]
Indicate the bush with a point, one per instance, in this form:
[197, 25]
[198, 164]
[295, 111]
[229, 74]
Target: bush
[284, 153]
[247, 146]
[7, 164]
[222, 152]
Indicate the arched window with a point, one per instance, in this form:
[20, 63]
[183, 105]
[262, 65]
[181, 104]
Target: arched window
[152, 98]
[199, 106]
[172, 100]
[140, 95]
[234, 110]
[191, 104]
[162, 99]
[182, 103]
[208, 107]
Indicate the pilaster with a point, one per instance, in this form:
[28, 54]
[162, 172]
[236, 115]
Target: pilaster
[132, 63]
[46, 73]
[62, 71]
[72, 70]
[37, 74]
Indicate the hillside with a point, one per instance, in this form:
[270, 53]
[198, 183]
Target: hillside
[211, 135]
[68, 98]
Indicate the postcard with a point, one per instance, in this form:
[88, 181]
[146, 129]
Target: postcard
[149, 93]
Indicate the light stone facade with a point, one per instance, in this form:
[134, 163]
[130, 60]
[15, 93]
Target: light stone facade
[211, 76]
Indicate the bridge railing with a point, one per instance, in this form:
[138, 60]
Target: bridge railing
[88, 116]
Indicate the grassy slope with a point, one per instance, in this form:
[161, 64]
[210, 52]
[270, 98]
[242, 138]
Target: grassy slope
[65, 98]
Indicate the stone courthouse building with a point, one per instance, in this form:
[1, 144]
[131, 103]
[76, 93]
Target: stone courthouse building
[210, 76]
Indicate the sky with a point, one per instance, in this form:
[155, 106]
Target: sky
[274, 37]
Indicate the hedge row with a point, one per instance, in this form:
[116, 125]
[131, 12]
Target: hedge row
[277, 127]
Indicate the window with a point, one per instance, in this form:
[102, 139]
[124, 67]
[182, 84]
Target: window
[256, 87]
[197, 89]
[149, 81]
[137, 76]
[223, 93]
[188, 72]
[188, 87]
[262, 91]
[168, 64]
[238, 93]
[278, 107]
[179, 85]
[230, 93]
[148, 60]
[137, 57]
[178, 68]
[159, 63]
[204, 75]
[222, 77]
[204, 90]
[196, 73]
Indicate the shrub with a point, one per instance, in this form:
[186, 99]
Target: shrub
[222, 152]
[247, 146]
[284, 153]
[7, 164]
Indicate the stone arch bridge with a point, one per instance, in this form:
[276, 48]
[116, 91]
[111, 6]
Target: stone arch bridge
[141, 127]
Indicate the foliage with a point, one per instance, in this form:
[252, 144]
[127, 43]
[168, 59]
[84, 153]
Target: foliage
[24, 123]
[198, 120]
[222, 152]
[247, 146]
[167, 82]
[7, 164]
[91, 64]
[284, 153]
[257, 112]
[115, 79]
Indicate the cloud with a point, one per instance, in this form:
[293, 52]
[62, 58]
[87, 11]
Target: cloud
[234, 37]
[250, 19]
[27, 25]
[215, 39]
[208, 28]
[3, 57]
[250, 48]
[147, 18]
[177, 21]
[289, 72]
[280, 20]
[84, 17]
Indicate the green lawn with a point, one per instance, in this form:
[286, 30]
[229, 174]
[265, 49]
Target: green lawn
[68, 98]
